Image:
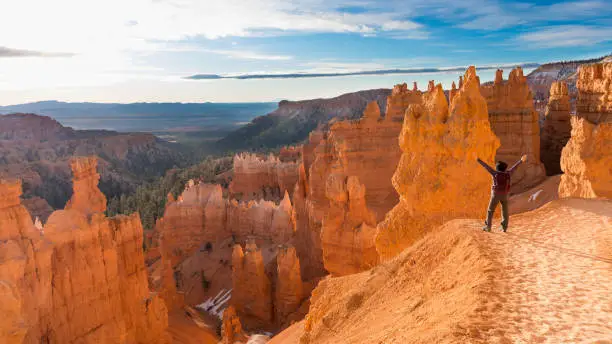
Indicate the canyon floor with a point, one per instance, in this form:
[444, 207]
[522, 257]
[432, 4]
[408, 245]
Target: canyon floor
[547, 280]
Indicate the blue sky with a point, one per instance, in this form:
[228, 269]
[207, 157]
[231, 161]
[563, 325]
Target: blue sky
[142, 50]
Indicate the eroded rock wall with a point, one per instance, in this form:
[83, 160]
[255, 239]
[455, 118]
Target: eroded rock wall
[515, 122]
[586, 160]
[439, 146]
[557, 127]
[263, 178]
[84, 279]
[595, 92]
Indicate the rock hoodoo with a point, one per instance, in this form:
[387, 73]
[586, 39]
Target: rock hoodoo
[586, 160]
[83, 278]
[86, 196]
[515, 122]
[252, 290]
[289, 288]
[439, 148]
[557, 128]
[349, 228]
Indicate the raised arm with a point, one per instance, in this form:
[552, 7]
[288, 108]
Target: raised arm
[516, 164]
[487, 167]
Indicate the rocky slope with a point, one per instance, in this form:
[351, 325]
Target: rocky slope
[38, 149]
[81, 277]
[557, 128]
[294, 120]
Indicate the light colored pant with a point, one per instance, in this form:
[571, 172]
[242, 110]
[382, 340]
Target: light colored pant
[497, 198]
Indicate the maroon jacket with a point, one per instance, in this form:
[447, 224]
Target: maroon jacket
[501, 180]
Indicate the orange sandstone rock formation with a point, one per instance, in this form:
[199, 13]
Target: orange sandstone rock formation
[586, 160]
[515, 122]
[86, 196]
[231, 327]
[349, 228]
[438, 148]
[252, 290]
[268, 178]
[289, 289]
[82, 279]
[595, 92]
[557, 128]
[366, 149]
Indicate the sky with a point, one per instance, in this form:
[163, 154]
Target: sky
[145, 50]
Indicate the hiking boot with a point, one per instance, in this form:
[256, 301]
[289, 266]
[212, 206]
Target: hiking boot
[504, 229]
[486, 228]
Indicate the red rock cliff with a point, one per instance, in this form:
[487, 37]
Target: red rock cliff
[84, 279]
[438, 148]
[515, 122]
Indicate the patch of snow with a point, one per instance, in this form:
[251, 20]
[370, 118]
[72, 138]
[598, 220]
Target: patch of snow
[534, 197]
[216, 305]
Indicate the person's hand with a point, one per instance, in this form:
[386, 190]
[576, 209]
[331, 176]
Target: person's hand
[524, 158]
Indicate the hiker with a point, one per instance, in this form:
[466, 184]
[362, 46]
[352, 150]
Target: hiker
[499, 190]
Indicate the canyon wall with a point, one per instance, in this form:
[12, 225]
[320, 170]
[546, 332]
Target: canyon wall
[515, 122]
[439, 147]
[263, 178]
[557, 128]
[82, 277]
[586, 160]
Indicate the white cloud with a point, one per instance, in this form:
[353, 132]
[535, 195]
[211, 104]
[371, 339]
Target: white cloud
[249, 55]
[565, 36]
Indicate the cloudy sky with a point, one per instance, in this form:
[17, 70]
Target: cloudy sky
[143, 50]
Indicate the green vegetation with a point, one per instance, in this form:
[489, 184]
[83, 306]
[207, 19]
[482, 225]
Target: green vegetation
[150, 199]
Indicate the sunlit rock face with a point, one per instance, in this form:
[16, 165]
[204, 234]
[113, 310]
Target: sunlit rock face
[86, 197]
[595, 92]
[264, 178]
[586, 160]
[557, 127]
[515, 122]
[439, 147]
[79, 279]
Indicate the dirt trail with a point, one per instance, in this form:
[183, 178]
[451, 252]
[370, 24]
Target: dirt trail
[554, 282]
